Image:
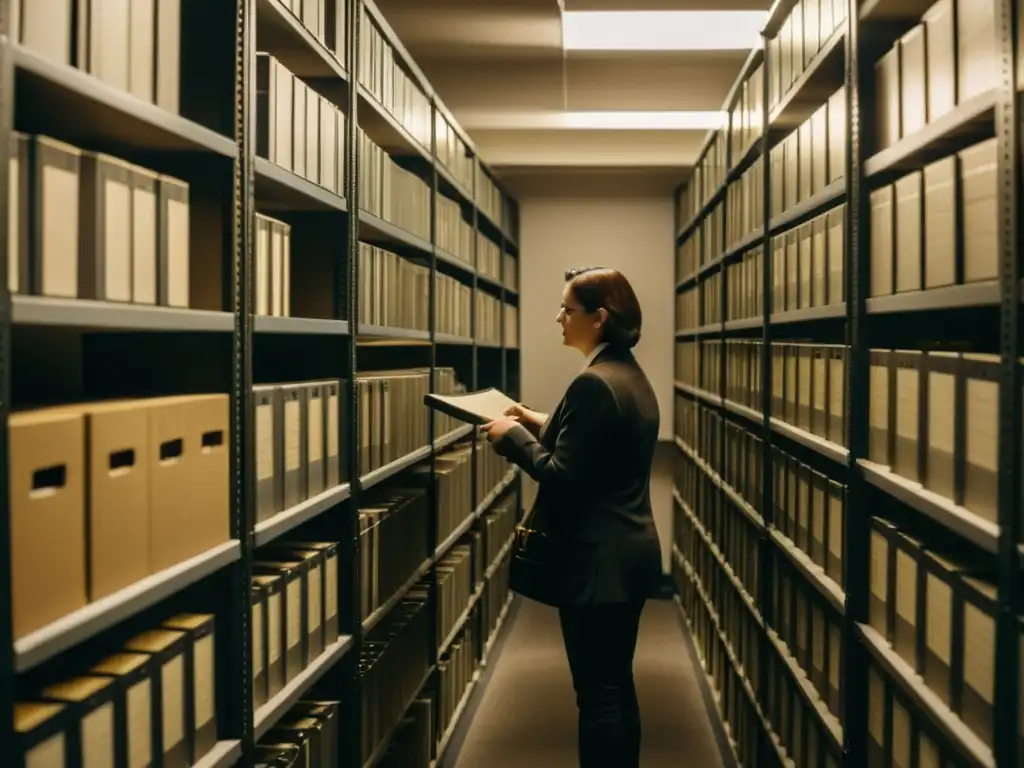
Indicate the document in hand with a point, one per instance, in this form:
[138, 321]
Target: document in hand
[472, 407]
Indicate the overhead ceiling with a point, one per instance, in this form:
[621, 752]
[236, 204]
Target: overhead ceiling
[499, 66]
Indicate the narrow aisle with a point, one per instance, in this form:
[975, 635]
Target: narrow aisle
[527, 715]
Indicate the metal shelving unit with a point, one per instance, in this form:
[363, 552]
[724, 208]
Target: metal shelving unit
[860, 321]
[213, 144]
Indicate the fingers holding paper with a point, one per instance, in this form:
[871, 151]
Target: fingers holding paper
[497, 429]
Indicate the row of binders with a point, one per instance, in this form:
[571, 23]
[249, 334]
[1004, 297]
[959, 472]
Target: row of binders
[393, 539]
[744, 297]
[452, 232]
[948, 59]
[294, 611]
[687, 311]
[446, 383]
[297, 128]
[933, 418]
[811, 157]
[809, 388]
[499, 525]
[805, 31]
[452, 152]
[745, 116]
[306, 737]
[488, 319]
[325, 20]
[744, 207]
[710, 290]
[115, 231]
[708, 175]
[392, 418]
[105, 494]
[385, 79]
[452, 306]
[393, 667]
[391, 192]
[488, 196]
[456, 585]
[153, 702]
[743, 373]
[938, 226]
[686, 365]
[511, 280]
[453, 471]
[273, 267]
[809, 264]
[488, 257]
[140, 55]
[936, 606]
[298, 445]
[456, 670]
[393, 292]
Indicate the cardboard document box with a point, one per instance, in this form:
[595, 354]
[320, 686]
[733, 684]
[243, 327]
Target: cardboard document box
[334, 407]
[280, 268]
[145, 235]
[18, 200]
[53, 212]
[167, 650]
[269, 452]
[208, 513]
[942, 369]
[980, 607]
[273, 630]
[913, 82]
[909, 232]
[200, 669]
[941, 59]
[881, 247]
[274, 103]
[168, 54]
[262, 279]
[328, 146]
[316, 586]
[314, 104]
[293, 600]
[142, 49]
[46, 476]
[104, 40]
[978, 168]
[906, 397]
[300, 94]
[977, 49]
[294, 423]
[41, 733]
[316, 443]
[132, 674]
[171, 464]
[90, 706]
[46, 26]
[105, 237]
[904, 596]
[258, 628]
[837, 135]
[940, 222]
[878, 407]
[887, 99]
[330, 585]
[981, 435]
[173, 243]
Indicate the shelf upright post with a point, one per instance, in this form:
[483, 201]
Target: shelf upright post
[859, 104]
[1007, 129]
[238, 704]
[352, 621]
[432, 495]
[7, 687]
[765, 749]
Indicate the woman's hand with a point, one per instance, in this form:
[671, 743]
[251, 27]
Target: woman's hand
[497, 429]
[532, 420]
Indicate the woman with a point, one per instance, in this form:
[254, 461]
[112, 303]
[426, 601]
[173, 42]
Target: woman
[592, 460]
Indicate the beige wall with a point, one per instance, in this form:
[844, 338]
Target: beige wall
[632, 235]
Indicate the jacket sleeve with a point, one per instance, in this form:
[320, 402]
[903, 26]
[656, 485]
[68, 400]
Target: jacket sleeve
[583, 430]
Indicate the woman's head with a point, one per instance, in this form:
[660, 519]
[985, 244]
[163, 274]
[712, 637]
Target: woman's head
[598, 305]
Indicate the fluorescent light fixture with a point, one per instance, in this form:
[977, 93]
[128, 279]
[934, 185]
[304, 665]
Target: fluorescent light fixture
[624, 120]
[643, 121]
[662, 30]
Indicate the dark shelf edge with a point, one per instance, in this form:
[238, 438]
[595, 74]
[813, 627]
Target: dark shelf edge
[809, 315]
[385, 608]
[289, 519]
[87, 313]
[282, 177]
[817, 203]
[811, 571]
[305, 326]
[982, 294]
[810, 73]
[817, 444]
[381, 474]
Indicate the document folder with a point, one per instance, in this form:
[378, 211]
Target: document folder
[472, 407]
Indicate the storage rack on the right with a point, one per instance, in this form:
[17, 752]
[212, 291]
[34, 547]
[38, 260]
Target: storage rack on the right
[847, 539]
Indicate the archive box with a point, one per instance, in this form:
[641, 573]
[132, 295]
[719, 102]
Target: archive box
[271, 596]
[329, 614]
[311, 563]
[132, 675]
[293, 605]
[41, 731]
[326, 714]
[104, 228]
[89, 703]
[168, 649]
[173, 242]
[294, 420]
[200, 680]
[269, 451]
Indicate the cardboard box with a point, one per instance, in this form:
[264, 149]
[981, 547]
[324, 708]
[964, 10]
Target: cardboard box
[274, 103]
[294, 421]
[334, 408]
[879, 407]
[200, 670]
[301, 93]
[104, 40]
[173, 248]
[316, 439]
[132, 675]
[41, 733]
[274, 639]
[330, 586]
[105, 236]
[18, 222]
[887, 99]
[258, 625]
[806, 160]
[819, 149]
[907, 394]
[837, 395]
[46, 26]
[981, 435]
[328, 146]
[979, 183]
[293, 601]
[836, 255]
[142, 49]
[876, 718]
[90, 707]
[819, 261]
[168, 55]
[269, 452]
[977, 49]
[145, 234]
[882, 241]
[940, 222]
[904, 591]
[909, 248]
[837, 135]
[943, 370]
[335, 29]
[941, 59]
[980, 606]
[167, 649]
[46, 476]
[882, 564]
[326, 713]
[913, 82]
[208, 517]
[53, 212]
[313, 566]
[170, 462]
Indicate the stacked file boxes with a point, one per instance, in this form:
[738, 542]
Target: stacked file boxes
[273, 266]
[488, 257]
[452, 233]
[298, 443]
[452, 151]
[807, 29]
[454, 478]
[393, 291]
[809, 388]
[306, 737]
[809, 264]
[452, 306]
[488, 319]
[124, 229]
[488, 196]
[392, 417]
[455, 587]
[391, 192]
[393, 543]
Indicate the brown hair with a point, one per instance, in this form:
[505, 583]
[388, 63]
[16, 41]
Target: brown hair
[608, 289]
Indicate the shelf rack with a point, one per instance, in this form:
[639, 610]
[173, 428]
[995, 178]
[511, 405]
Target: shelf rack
[213, 143]
[846, 59]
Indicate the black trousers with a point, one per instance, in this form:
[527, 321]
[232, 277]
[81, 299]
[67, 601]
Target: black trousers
[600, 641]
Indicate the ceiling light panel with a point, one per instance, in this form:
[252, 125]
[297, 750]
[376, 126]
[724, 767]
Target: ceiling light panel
[661, 30]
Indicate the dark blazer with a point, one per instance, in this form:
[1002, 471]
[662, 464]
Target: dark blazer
[592, 461]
